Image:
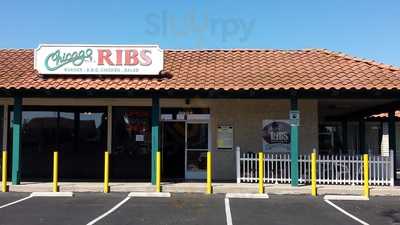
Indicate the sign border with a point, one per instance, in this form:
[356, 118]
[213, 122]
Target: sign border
[156, 46]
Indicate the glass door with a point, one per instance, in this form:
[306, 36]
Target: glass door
[197, 145]
[131, 145]
[173, 150]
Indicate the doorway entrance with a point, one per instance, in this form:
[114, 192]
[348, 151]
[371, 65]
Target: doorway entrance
[184, 146]
[173, 150]
[131, 145]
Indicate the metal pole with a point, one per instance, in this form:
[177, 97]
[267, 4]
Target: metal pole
[4, 172]
[158, 172]
[366, 176]
[238, 164]
[392, 170]
[55, 172]
[261, 173]
[209, 173]
[314, 173]
[106, 171]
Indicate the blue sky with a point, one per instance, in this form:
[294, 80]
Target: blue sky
[364, 28]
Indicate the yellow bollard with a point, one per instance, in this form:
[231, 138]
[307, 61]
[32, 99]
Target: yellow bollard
[4, 187]
[314, 173]
[106, 171]
[158, 172]
[366, 176]
[209, 173]
[55, 172]
[261, 173]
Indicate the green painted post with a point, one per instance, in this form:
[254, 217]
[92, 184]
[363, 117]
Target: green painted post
[155, 121]
[16, 141]
[294, 144]
[392, 137]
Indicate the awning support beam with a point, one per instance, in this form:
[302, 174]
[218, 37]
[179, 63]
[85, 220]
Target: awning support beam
[16, 141]
[155, 122]
[392, 137]
[294, 145]
[109, 128]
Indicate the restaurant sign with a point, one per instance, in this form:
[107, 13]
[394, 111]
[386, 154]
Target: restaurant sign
[99, 59]
[276, 136]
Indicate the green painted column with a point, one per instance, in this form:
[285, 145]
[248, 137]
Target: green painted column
[294, 117]
[155, 123]
[16, 141]
[392, 136]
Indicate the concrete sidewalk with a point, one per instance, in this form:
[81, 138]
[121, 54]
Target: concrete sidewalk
[200, 188]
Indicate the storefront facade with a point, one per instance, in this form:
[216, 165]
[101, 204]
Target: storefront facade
[199, 101]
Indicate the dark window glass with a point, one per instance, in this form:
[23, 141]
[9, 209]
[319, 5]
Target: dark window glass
[173, 149]
[78, 134]
[131, 146]
[85, 135]
[197, 136]
[38, 141]
[196, 161]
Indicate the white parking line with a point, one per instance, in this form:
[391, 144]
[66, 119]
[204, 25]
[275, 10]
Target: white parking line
[52, 194]
[239, 195]
[109, 211]
[40, 194]
[247, 195]
[130, 195]
[346, 213]
[228, 212]
[150, 194]
[15, 202]
[346, 197]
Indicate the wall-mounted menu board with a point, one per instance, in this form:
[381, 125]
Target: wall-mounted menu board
[225, 137]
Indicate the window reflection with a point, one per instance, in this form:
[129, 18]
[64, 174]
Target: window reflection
[196, 161]
[197, 136]
[39, 130]
[131, 150]
[79, 134]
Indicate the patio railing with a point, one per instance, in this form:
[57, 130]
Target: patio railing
[331, 169]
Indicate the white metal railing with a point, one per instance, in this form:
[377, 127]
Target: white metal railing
[331, 169]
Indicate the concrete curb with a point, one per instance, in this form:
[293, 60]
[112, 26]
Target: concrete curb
[52, 194]
[150, 194]
[346, 197]
[247, 195]
[218, 188]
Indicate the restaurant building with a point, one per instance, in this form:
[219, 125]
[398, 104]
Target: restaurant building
[132, 101]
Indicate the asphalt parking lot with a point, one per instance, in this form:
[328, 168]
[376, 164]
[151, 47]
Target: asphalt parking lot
[382, 210]
[199, 209]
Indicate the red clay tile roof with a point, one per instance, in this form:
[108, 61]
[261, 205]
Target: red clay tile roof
[218, 70]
